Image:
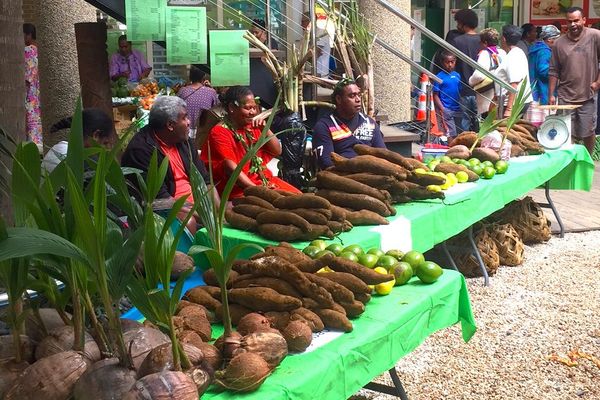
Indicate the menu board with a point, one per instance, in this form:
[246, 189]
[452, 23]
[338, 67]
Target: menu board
[145, 19]
[229, 58]
[186, 35]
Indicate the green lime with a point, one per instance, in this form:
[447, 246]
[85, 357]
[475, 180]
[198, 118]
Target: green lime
[402, 272]
[445, 159]
[487, 164]
[335, 248]
[397, 254]
[489, 172]
[320, 244]
[311, 251]
[368, 260]
[386, 261]
[464, 162]
[456, 160]
[477, 169]
[354, 248]
[323, 252]
[414, 258]
[376, 251]
[501, 166]
[474, 161]
[434, 188]
[348, 255]
[462, 176]
[429, 272]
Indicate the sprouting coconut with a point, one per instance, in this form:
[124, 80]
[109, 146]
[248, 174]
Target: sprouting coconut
[51, 378]
[245, 373]
[160, 359]
[140, 341]
[298, 336]
[9, 372]
[164, 385]
[50, 320]
[7, 348]
[61, 339]
[253, 322]
[272, 347]
[227, 345]
[104, 380]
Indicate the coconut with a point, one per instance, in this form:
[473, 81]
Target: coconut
[7, 348]
[181, 263]
[104, 380]
[271, 346]
[129, 324]
[9, 372]
[278, 319]
[166, 385]
[227, 345]
[253, 322]
[195, 310]
[160, 359]
[298, 336]
[50, 319]
[140, 341]
[62, 339]
[245, 373]
[201, 378]
[51, 378]
[212, 355]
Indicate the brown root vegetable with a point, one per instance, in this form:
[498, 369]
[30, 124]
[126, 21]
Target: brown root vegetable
[422, 193]
[181, 263]
[338, 292]
[211, 279]
[369, 164]
[263, 299]
[400, 199]
[298, 336]
[366, 217]
[192, 309]
[328, 180]
[377, 181]
[367, 275]
[517, 151]
[193, 319]
[254, 200]
[161, 359]
[348, 280]
[485, 154]
[240, 221]
[263, 193]
[355, 201]
[338, 213]
[391, 156]
[425, 179]
[9, 372]
[301, 201]
[283, 218]
[249, 210]
[459, 151]
[309, 317]
[199, 295]
[466, 138]
[312, 216]
[277, 319]
[363, 297]
[139, 342]
[317, 231]
[245, 373]
[190, 337]
[61, 339]
[7, 348]
[271, 346]
[278, 232]
[279, 285]
[251, 323]
[310, 304]
[334, 320]
[51, 378]
[353, 309]
[455, 168]
[236, 312]
[163, 386]
[104, 380]
[278, 268]
[50, 320]
[335, 226]
[285, 251]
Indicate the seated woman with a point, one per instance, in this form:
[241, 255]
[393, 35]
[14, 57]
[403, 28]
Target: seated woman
[229, 141]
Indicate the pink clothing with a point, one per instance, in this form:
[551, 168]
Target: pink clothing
[135, 63]
[32, 102]
[198, 100]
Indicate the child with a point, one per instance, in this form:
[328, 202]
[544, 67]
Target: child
[446, 95]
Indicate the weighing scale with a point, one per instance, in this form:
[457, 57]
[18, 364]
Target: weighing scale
[555, 131]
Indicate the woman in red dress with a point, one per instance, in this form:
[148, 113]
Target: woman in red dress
[229, 141]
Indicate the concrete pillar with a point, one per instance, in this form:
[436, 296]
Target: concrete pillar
[392, 75]
[59, 76]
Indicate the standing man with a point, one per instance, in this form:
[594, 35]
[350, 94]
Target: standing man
[128, 63]
[470, 44]
[574, 67]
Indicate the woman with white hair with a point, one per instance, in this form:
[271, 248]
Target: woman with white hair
[540, 54]
[490, 58]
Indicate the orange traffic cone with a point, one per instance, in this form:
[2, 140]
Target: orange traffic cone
[422, 106]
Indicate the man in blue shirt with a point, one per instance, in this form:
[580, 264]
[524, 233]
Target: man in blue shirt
[446, 95]
[347, 126]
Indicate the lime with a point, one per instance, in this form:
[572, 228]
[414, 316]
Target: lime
[432, 164]
[450, 177]
[402, 272]
[462, 177]
[414, 258]
[445, 159]
[429, 272]
[380, 270]
[434, 188]
[489, 172]
[376, 251]
[474, 161]
[397, 254]
[501, 166]
[384, 288]
[322, 253]
[464, 162]
[311, 251]
[354, 248]
[420, 171]
[335, 248]
[477, 169]
[386, 261]
[456, 160]
[368, 260]
[348, 255]
[487, 164]
[320, 244]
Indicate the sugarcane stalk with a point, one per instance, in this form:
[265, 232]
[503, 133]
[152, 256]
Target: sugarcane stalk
[261, 46]
[307, 56]
[371, 88]
[354, 62]
[325, 82]
[313, 103]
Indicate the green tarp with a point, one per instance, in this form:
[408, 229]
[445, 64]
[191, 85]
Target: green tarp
[390, 328]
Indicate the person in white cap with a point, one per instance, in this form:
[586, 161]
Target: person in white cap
[540, 53]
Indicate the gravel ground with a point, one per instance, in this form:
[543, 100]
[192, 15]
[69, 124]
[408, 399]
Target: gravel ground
[550, 304]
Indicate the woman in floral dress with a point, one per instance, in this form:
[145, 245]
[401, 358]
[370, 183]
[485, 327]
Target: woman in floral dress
[32, 103]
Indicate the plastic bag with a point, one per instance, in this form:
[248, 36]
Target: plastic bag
[293, 141]
[493, 140]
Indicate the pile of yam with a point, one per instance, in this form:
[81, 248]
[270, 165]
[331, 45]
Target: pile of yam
[281, 216]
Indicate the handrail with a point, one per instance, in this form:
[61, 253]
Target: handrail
[441, 42]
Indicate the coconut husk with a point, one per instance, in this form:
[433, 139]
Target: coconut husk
[7, 348]
[253, 322]
[298, 336]
[160, 359]
[164, 385]
[104, 380]
[49, 318]
[139, 342]
[61, 339]
[9, 372]
[509, 243]
[271, 346]
[245, 373]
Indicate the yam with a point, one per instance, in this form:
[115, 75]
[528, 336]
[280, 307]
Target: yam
[338, 213]
[398, 188]
[459, 151]
[421, 193]
[306, 315]
[285, 251]
[317, 231]
[353, 308]
[284, 192]
[240, 221]
[262, 192]
[372, 164]
[249, 210]
[485, 154]
[335, 226]
[367, 275]
[301, 201]
[454, 168]
[425, 179]
[328, 180]
[334, 320]
[211, 279]
[236, 312]
[355, 201]
[192, 309]
[378, 181]
[283, 218]
[339, 292]
[327, 212]
[263, 299]
[517, 151]
[466, 138]
[279, 285]
[363, 297]
[194, 322]
[400, 198]
[200, 296]
[254, 200]
[366, 217]
[278, 232]
[349, 281]
[278, 268]
[386, 154]
[311, 215]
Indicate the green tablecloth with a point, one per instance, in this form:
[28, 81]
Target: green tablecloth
[421, 225]
[391, 327]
